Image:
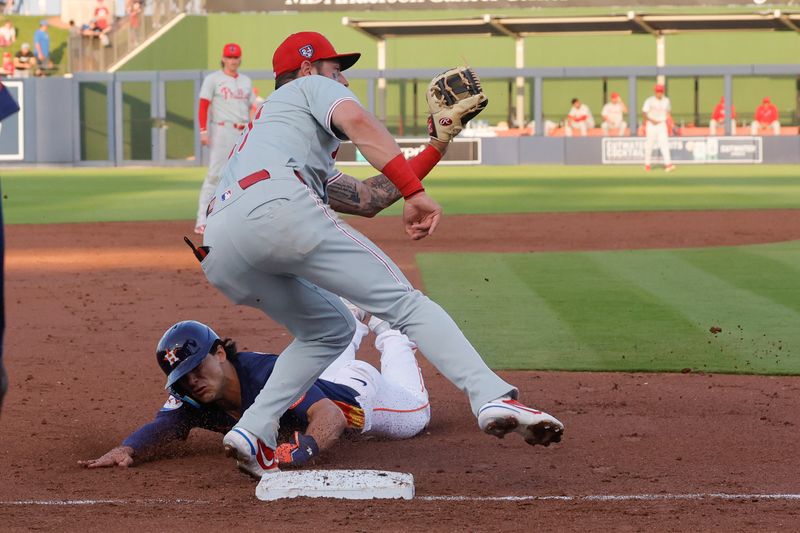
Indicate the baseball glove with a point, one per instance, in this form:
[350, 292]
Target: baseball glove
[454, 98]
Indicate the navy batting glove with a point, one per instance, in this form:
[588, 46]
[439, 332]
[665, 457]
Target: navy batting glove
[298, 452]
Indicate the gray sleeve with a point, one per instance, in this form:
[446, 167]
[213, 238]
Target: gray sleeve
[323, 95]
[207, 88]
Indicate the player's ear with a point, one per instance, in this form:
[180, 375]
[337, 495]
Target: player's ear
[306, 68]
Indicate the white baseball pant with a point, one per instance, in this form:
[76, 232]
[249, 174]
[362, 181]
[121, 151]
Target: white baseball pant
[395, 400]
[657, 134]
[222, 138]
[756, 127]
[713, 125]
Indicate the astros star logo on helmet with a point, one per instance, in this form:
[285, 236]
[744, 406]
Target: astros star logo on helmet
[307, 51]
[171, 357]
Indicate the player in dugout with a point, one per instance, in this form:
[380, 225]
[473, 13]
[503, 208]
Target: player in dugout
[211, 384]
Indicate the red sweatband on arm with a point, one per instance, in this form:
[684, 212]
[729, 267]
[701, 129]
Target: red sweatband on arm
[403, 176]
[202, 113]
[423, 162]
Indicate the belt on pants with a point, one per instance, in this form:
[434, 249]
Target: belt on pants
[236, 125]
[249, 181]
[261, 175]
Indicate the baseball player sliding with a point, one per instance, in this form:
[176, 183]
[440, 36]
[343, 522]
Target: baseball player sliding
[211, 384]
[656, 110]
[273, 241]
[226, 103]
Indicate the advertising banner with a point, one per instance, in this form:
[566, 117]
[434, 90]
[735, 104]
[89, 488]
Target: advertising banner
[685, 150]
[12, 147]
[234, 6]
[461, 152]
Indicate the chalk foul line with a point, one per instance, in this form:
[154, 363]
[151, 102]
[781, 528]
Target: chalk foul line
[584, 498]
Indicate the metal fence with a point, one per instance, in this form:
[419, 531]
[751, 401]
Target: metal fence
[149, 118]
[91, 50]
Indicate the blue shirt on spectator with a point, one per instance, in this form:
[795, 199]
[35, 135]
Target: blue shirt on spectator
[42, 38]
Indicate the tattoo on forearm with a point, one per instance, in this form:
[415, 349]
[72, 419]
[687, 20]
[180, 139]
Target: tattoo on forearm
[365, 198]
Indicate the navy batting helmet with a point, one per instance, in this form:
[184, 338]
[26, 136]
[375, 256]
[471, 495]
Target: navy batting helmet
[183, 347]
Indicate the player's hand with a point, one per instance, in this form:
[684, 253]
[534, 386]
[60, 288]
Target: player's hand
[298, 452]
[421, 215]
[204, 140]
[121, 456]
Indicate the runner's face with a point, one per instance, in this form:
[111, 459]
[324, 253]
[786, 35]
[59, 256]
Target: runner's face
[330, 69]
[206, 382]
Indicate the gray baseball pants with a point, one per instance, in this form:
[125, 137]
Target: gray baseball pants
[278, 247]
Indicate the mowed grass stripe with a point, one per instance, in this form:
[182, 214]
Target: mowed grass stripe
[500, 310]
[769, 271]
[757, 332]
[630, 310]
[105, 194]
[613, 317]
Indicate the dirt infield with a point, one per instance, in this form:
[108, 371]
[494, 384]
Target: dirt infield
[642, 452]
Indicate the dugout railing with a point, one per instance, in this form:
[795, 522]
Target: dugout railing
[148, 118]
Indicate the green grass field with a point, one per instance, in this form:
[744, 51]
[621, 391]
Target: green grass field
[644, 310]
[633, 310]
[92, 194]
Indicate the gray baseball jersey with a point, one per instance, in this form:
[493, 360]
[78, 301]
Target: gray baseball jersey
[299, 137]
[230, 97]
[277, 246]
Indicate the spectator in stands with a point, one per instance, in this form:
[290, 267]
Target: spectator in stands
[614, 115]
[41, 46]
[7, 66]
[102, 16]
[9, 9]
[8, 34]
[24, 61]
[766, 116]
[579, 118]
[718, 117]
[135, 21]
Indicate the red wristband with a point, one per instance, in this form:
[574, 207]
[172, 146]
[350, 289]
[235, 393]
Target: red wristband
[403, 176]
[423, 162]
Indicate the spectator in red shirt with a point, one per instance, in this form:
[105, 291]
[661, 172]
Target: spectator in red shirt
[766, 117]
[718, 117]
[101, 15]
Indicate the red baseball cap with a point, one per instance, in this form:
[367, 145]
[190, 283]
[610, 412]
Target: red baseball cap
[307, 46]
[232, 50]
[614, 95]
[765, 100]
[659, 88]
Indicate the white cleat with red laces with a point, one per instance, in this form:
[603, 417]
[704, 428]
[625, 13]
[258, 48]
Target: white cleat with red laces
[505, 415]
[253, 457]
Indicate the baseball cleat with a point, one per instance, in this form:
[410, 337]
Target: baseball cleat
[201, 229]
[505, 415]
[359, 313]
[669, 168]
[378, 326]
[253, 457]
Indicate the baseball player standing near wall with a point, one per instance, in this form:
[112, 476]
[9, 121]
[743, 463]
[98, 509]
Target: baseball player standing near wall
[273, 242]
[656, 110]
[226, 105]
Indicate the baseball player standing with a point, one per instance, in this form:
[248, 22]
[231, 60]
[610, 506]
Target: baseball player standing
[656, 110]
[211, 383]
[613, 115]
[226, 102]
[274, 243]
